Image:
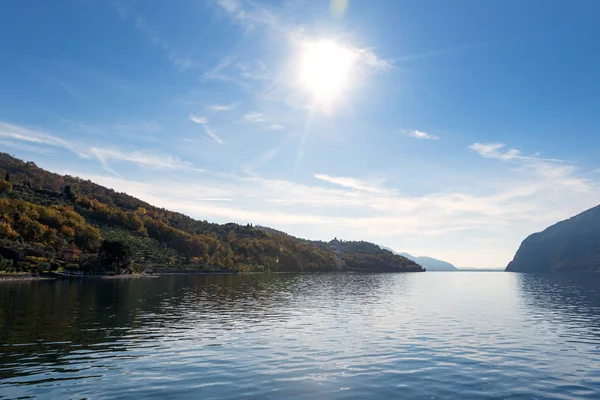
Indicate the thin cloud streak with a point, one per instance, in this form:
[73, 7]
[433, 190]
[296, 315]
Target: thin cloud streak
[492, 151]
[348, 182]
[223, 107]
[139, 130]
[25, 147]
[259, 118]
[207, 129]
[558, 172]
[141, 24]
[152, 160]
[16, 132]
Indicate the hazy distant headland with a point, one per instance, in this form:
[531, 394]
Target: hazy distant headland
[429, 263]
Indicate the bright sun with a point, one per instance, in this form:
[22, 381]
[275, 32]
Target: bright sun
[326, 70]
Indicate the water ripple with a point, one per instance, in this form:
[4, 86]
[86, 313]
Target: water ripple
[432, 335]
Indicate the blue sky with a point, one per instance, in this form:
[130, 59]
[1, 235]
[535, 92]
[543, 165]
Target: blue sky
[447, 129]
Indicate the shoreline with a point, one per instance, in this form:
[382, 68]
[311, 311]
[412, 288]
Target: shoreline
[28, 278]
[23, 278]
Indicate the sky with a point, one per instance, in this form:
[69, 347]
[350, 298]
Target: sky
[446, 129]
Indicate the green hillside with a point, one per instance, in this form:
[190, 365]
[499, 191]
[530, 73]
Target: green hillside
[49, 221]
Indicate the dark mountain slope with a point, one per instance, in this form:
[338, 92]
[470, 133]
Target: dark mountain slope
[570, 245]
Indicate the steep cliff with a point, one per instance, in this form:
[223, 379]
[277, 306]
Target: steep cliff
[570, 245]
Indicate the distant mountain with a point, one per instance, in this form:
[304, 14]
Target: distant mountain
[570, 245]
[429, 263]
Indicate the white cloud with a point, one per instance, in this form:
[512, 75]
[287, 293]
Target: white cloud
[16, 132]
[207, 129]
[229, 5]
[420, 135]
[492, 151]
[552, 171]
[223, 107]
[370, 59]
[197, 119]
[255, 117]
[348, 182]
[253, 15]
[153, 160]
[25, 147]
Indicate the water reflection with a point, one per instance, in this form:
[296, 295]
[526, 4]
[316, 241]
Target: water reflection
[568, 302]
[302, 336]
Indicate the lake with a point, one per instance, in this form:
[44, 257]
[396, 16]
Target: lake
[312, 336]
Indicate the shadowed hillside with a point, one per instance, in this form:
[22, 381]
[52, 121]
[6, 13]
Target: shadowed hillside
[570, 245]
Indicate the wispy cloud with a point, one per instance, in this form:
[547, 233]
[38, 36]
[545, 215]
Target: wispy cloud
[435, 53]
[207, 129]
[557, 171]
[349, 182]
[25, 147]
[260, 118]
[22, 134]
[416, 134]
[249, 76]
[224, 71]
[141, 24]
[266, 157]
[255, 117]
[223, 107]
[147, 159]
[139, 130]
[493, 150]
[197, 119]
[253, 15]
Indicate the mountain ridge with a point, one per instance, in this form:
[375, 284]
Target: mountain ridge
[569, 245]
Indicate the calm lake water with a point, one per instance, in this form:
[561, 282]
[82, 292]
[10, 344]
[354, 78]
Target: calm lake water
[419, 335]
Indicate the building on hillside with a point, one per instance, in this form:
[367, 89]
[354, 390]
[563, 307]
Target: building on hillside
[70, 253]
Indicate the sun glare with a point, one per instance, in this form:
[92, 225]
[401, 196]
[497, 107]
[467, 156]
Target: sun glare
[326, 70]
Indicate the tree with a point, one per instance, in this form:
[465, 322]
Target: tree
[5, 186]
[87, 237]
[6, 231]
[231, 236]
[116, 255]
[69, 195]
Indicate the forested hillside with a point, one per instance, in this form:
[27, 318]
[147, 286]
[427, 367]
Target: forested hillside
[49, 221]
